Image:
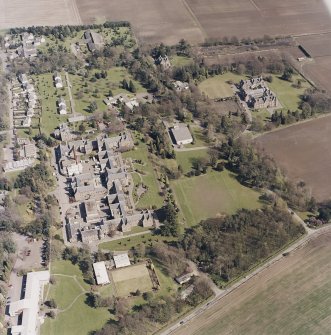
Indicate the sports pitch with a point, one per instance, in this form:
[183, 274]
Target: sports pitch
[130, 279]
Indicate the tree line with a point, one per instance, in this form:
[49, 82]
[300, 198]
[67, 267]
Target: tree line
[227, 247]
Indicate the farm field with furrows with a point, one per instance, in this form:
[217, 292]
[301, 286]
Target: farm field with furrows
[169, 21]
[303, 151]
[195, 20]
[19, 13]
[319, 68]
[152, 20]
[293, 296]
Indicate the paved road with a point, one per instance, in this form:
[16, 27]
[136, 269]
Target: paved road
[72, 102]
[9, 131]
[190, 149]
[311, 234]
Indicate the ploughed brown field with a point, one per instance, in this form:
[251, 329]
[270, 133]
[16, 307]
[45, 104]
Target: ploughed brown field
[304, 152]
[24, 13]
[171, 20]
[319, 69]
[292, 296]
[195, 20]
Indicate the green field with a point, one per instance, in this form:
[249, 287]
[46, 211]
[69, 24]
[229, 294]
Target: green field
[200, 140]
[127, 243]
[48, 95]
[212, 194]
[218, 86]
[288, 95]
[74, 316]
[80, 319]
[86, 90]
[130, 279]
[146, 175]
[186, 158]
[178, 61]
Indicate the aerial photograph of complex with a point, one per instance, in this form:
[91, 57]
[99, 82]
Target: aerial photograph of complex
[165, 167]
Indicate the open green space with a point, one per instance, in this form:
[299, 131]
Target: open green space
[211, 195]
[219, 86]
[186, 158]
[86, 89]
[64, 291]
[80, 319]
[74, 316]
[127, 243]
[200, 140]
[178, 61]
[132, 278]
[148, 177]
[48, 96]
[287, 94]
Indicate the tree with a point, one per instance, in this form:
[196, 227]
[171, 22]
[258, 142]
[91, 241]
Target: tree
[93, 106]
[51, 303]
[121, 307]
[170, 226]
[287, 74]
[82, 128]
[132, 87]
[125, 84]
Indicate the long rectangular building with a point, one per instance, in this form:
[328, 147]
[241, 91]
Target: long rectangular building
[29, 305]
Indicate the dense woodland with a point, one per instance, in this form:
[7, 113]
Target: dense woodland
[227, 247]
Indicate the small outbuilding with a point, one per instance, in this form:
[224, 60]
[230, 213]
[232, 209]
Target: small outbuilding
[101, 274]
[121, 260]
[184, 278]
[62, 106]
[181, 135]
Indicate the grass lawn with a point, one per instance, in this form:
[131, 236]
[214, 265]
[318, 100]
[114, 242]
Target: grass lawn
[212, 194]
[49, 95]
[80, 319]
[25, 133]
[217, 86]
[64, 291]
[200, 139]
[261, 115]
[131, 279]
[68, 269]
[186, 158]
[98, 90]
[127, 243]
[148, 175]
[74, 316]
[288, 95]
[137, 229]
[178, 61]
[25, 210]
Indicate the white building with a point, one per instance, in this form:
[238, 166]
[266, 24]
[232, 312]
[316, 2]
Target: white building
[181, 134]
[29, 305]
[121, 260]
[18, 165]
[101, 274]
[62, 106]
[58, 80]
[181, 86]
